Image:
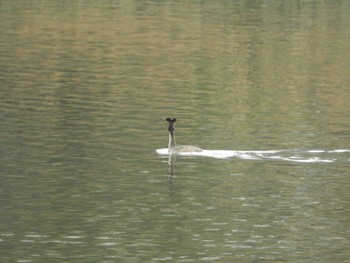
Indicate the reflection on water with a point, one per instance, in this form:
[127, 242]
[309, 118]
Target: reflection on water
[85, 88]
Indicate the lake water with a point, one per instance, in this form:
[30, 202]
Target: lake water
[262, 86]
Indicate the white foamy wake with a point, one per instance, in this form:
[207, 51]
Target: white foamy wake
[284, 155]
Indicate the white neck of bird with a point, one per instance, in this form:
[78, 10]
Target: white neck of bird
[172, 143]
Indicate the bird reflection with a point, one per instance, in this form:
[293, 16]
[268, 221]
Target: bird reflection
[171, 162]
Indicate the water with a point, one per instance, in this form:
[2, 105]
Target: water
[262, 86]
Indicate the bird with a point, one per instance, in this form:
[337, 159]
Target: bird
[172, 147]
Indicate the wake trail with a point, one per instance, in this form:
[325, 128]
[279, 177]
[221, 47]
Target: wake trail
[301, 156]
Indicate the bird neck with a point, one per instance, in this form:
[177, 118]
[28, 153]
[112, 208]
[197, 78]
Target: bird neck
[172, 143]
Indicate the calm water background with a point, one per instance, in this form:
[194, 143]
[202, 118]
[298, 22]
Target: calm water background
[86, 86]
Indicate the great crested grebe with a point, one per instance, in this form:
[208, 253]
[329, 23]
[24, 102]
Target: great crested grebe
[172, 148]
